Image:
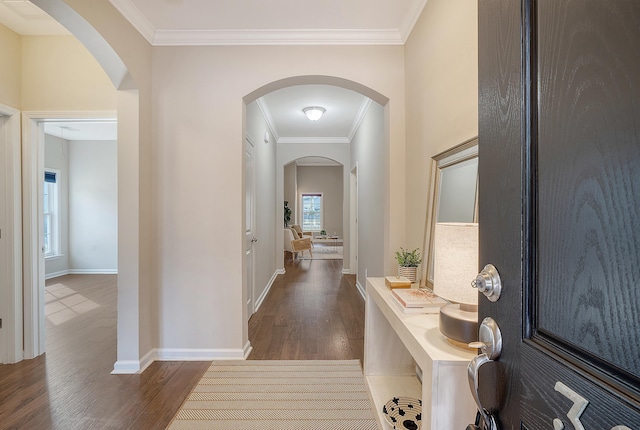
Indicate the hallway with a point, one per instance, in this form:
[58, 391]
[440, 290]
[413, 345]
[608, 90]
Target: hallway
[312, 312]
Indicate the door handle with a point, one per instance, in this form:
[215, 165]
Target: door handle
[490, 345]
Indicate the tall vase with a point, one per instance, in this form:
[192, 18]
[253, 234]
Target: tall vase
[408, 272]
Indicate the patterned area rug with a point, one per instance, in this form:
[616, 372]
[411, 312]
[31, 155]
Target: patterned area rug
[281, 394]
[322, 253]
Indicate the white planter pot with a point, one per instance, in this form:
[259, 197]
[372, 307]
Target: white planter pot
[408, 272]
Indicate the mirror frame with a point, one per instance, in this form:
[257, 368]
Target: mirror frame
[465, 151]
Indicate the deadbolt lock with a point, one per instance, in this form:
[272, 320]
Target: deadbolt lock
[488, 282]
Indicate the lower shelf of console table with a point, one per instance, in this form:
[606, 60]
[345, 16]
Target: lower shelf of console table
[398, 347]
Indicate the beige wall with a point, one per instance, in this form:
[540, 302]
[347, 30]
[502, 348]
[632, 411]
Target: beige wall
[369, 153]
[59, 74]
[198, 95]
[442, 96]
[10, 77]
[138, 301]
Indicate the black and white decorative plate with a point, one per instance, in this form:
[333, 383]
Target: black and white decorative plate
[403, 413]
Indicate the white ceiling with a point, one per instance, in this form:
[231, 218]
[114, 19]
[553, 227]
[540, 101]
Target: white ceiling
[25, 18]
[82, 130]
[288, 123]
[229, 22]
[273, 22]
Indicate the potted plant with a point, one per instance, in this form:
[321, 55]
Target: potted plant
[408, 262]
[287, 214]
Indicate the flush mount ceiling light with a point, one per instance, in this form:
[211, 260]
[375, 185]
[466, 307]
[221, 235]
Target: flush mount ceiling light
[313, 112]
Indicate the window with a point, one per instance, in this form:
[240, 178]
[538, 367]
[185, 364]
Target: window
[311, 211]
[51, 213]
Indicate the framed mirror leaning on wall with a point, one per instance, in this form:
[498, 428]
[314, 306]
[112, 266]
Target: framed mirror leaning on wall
[453, 196]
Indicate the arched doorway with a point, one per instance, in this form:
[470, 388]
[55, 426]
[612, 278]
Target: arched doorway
[366, 147]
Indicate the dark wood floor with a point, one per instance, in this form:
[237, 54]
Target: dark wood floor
[312, 312]
[70, 387]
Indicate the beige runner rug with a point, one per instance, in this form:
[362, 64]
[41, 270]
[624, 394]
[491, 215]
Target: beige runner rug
[282, 395]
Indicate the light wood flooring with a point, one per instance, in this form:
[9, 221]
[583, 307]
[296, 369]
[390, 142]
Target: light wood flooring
[312, 312]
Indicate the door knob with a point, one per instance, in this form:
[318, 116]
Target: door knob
[488, 282]
[490, 345]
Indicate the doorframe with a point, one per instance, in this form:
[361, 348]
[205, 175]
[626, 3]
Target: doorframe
[33, 258]
[353, 220]
[250, 277]
[11, 305]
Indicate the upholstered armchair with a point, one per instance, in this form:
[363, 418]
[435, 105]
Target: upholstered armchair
[295, 245]
[299, 231]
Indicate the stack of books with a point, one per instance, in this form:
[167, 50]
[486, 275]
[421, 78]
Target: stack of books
[397, 282]
[417, 300]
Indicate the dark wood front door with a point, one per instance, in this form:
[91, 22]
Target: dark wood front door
[559, 210]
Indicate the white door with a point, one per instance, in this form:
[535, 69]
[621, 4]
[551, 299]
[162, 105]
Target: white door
[353, 236]
[3, 242]
[249, 234]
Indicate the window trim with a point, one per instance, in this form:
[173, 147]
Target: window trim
[302, 225]
[54, 214]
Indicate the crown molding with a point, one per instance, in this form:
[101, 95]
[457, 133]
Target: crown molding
[314, 140]
[266, 113]
[158, 37]
[275, 37]
[411, 19]
[364, 107]
[132, 14]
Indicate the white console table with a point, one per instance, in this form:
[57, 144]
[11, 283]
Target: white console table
[394, 343]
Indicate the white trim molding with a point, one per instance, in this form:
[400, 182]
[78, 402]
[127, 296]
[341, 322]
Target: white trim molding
[362, 112]
[136, 18]
[132, 367]
[262, 296]
[93, 271]
[276, 37]
[266, 113]
[314, 140]
[362, 290]
[215, 37]
[11, 299]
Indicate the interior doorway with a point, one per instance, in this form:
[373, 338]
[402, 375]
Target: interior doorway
[88, 216]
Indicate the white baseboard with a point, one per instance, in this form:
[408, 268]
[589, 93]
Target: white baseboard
[81, 272]
[260, 299]
[56, 274]
[361, 290]
[346, 272]
[126, 367]
[130, 367]
[247, 349]
[93, 271]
